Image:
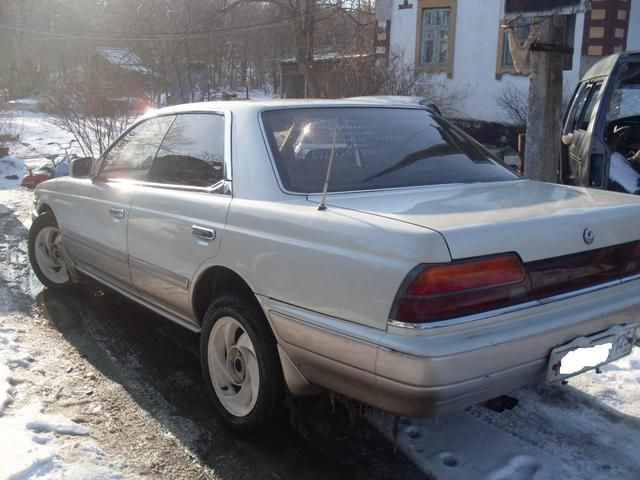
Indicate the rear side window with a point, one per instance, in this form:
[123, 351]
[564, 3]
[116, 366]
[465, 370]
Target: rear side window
[132, 155]
[374, 148]
[192, 152]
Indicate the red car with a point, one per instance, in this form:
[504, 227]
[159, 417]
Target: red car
[36, 177]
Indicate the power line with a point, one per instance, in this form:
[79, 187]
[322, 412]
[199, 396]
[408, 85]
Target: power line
[48, 35]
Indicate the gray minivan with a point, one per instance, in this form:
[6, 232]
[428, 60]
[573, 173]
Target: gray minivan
[601, 127]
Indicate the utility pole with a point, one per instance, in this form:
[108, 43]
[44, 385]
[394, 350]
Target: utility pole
[545, 100]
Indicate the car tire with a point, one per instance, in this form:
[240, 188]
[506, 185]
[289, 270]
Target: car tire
[240, 364]
[46, 253]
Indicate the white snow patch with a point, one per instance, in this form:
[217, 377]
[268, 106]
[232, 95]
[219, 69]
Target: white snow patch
[31, 441]
[11, 356]
[10, 352]
[5, 386]
[12, 170]
[25, 101]
[40, 423]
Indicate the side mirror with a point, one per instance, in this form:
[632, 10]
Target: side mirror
[80, 167]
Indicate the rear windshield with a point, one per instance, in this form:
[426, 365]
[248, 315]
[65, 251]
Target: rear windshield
[374, 148]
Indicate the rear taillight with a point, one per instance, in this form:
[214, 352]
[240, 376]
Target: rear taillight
[432, 293]
[469, 275]
[633, 264]
[442, 292]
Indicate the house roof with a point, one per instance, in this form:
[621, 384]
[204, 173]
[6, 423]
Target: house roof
[328, 57]
[125, 59]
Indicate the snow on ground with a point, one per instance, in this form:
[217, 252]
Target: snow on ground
[618, 386]
[590, 429]
[36, 444]
[12, 171]
[37, 130]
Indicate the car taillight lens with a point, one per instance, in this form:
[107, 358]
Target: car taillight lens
[461, 288]
[442, 292]
[633, 265]
[469, 275]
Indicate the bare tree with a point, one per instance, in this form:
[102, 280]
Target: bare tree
[449, 99]
[364, 75]
[514, 103]
[84, 108]
[10, 128]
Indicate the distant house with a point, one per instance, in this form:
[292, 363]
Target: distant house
[462, 44]
[127, 76]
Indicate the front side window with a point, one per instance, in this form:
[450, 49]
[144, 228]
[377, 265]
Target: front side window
[587, 110]
[373, 148]
[434, 37]
[577, 104]
[132, 155]
[192, 153]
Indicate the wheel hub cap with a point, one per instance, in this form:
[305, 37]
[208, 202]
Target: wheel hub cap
[233, 366]
[236, 365]
[49, 255]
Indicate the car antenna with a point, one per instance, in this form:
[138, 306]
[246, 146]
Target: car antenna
[322, 205]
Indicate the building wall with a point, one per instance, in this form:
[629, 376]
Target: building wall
[606, 27]
[475, 54]
[633, 37]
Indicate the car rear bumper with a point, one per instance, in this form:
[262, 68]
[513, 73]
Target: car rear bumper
[423, 373]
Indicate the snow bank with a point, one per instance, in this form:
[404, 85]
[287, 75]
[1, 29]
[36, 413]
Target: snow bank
[12, 170]
[31, 440]
[36, 131]
[26, 101]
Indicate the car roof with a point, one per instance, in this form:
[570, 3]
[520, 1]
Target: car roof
[248, 106]
[605, 66]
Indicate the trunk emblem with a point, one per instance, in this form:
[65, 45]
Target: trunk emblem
[588, 236]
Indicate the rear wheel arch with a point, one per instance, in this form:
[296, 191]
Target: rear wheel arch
[215, 282]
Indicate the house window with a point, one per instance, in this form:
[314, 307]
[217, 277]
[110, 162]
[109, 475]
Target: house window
[436, 33]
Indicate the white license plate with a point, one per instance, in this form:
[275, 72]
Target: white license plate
[587, 353]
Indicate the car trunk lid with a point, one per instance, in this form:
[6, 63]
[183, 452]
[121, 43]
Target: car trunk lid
[536, 220]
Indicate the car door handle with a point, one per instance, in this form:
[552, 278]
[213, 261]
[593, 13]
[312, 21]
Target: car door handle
[202, 232]
[116, 212]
